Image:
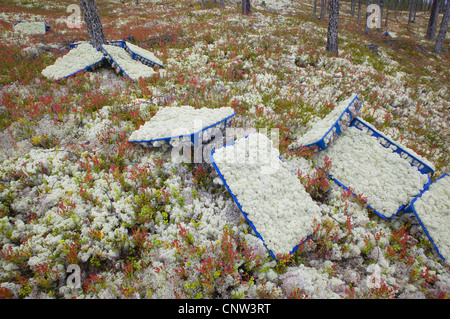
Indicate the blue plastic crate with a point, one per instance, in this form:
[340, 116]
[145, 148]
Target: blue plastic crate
[240, 207]
[387, 143]
[88, 68]
[118, 43]
[337, 128]
[109, 57]
[140, 58]
[411, 210]
[47, 27]
[194, 137]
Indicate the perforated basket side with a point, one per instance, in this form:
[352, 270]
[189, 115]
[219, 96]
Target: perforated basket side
[142, 59]
[195, 137]
[240, 207]
[411, 210]
[387, 143]
[338, 126]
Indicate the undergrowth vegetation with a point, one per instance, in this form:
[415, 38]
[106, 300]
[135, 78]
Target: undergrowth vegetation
[74, 191]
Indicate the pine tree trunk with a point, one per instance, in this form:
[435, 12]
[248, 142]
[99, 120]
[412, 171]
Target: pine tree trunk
[442, 7]
[246, 7]
[93, 24]
[322, 10]
[396, 8]
[369, 2]
[381, 14]
[432, 23]
[387, 15]
[359, 12]
[332, 37]
[415, 10]
[411, 8]
[443, 30]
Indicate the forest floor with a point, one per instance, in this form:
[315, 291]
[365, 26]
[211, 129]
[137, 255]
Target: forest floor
[73, 191]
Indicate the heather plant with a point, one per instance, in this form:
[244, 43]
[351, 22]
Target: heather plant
[112, 207]
[317, 183]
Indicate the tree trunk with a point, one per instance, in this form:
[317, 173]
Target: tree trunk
[387, 15]
[222, 4]
[369, 2]
[202, 4]
[315, 8]
[246, 7]
[443, 30]
[381, 15]
[93, 24]
[322, 10]
[359, 12]
[432, 23]
[332, 37]
[396, 8]
[411, 8]
[352, 8]
[416, 4]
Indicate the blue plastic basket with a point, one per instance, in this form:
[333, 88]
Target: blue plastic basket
[118, 43]
[88, 68]
[194, 137]
[411, 210]
[47, 27]
[140, 58]
[109, 57]
[387, 143]
[336, 129]
[240, 207]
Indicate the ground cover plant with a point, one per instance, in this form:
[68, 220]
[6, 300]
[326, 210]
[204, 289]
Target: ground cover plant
[74, 191]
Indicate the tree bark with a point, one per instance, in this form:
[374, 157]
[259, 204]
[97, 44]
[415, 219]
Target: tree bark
[202, 4]
[332, 38]
[381, 14]
[359, 12]
[442, 7]
[93, 24]
[315, 8]
[443, 30]
[411, 9]
[387, 15]
[352, 8]
[432, 23]
[415, 10]
[322, 10]
[396, 8]
[222, 4]
[369, 2]
[246, 7]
